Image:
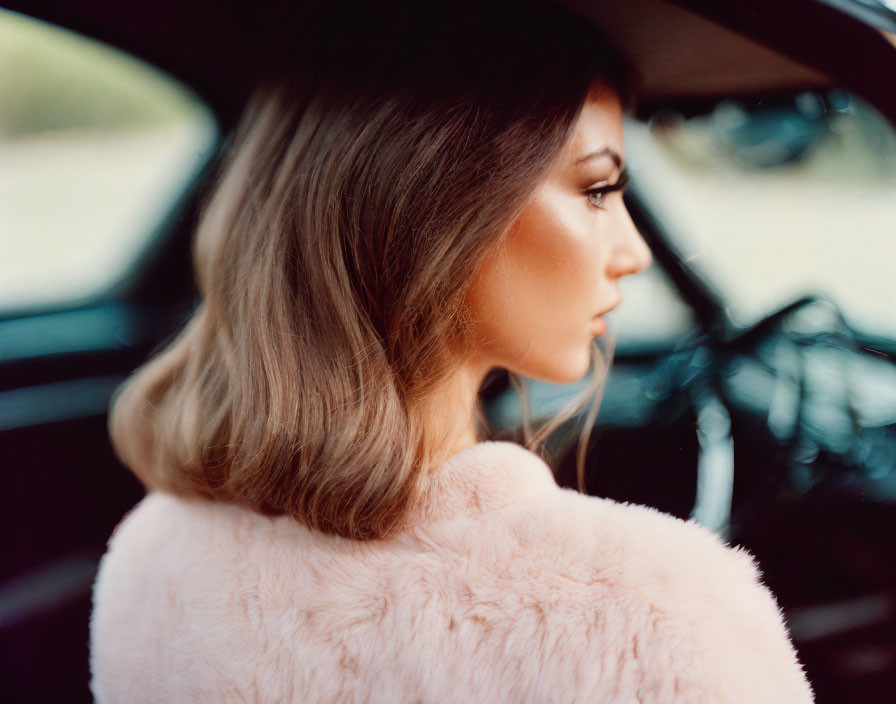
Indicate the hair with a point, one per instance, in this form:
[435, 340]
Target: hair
[374, 165]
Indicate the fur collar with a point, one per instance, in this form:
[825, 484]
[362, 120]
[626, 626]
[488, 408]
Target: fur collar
[484, 477]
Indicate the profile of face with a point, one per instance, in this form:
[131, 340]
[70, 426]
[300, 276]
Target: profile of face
[534, 299]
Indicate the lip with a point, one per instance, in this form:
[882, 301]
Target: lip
[607, 310]
[598, 326]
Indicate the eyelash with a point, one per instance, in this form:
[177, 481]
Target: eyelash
[600, 191]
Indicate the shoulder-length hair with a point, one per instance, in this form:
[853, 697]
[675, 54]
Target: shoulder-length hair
[385, 156]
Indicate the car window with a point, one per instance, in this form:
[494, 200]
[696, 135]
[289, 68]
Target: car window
[778, 197]
[95, 148]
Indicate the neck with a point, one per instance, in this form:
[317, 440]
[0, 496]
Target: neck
[452, 413]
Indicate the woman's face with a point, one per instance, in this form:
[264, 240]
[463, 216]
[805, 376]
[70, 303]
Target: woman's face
[534, 299]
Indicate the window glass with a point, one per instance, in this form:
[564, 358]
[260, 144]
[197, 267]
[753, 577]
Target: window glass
[95, 148]
[774, 198]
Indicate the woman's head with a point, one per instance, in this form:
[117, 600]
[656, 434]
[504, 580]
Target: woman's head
[372, 176]
[535, 298]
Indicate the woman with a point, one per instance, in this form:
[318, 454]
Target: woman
[414, 199]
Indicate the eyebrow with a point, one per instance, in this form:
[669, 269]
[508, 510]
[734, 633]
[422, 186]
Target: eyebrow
[604, 152]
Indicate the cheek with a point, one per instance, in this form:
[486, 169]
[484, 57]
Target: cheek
[534, 297]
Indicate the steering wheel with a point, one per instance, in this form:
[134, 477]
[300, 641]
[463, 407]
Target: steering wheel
[697, 372]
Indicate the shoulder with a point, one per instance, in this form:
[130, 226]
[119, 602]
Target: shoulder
[684, 592]
[183, 579]
[196, 545]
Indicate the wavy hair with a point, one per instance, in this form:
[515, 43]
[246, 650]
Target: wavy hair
[372, 168]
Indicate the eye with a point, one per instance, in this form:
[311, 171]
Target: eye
[597, 194]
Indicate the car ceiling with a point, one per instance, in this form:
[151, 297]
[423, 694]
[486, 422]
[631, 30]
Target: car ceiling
[685, 50]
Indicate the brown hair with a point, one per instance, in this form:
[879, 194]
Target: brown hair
[370, 171]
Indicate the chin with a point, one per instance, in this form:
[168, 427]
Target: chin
[562, 368]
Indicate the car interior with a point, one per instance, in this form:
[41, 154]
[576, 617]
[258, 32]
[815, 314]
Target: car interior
[753, 386]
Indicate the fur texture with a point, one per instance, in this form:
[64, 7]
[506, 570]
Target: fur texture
[508, 589]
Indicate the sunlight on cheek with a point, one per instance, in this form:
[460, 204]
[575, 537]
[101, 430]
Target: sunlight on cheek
[538, 344]
[553, 260]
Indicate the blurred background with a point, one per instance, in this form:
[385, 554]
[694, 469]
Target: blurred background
[754, 386]
[96, 146]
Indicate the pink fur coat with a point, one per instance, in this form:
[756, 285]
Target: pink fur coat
[508, 589]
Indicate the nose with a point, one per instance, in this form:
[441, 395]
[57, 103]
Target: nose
[631, 253]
